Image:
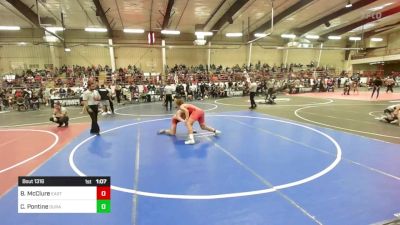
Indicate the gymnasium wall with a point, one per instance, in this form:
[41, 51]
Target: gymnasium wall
[270, 56]
[394, 42]
[15, 58]
[388, 67]
[365, 67]
[333, 58]
[85, 55]
[389, 46]
[189, 56]
[303, 56]
[231, 56]
[149, 59]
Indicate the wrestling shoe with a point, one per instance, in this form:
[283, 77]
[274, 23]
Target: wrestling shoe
[162, 131]
[217, 132]
[190, 142]
[383, 119]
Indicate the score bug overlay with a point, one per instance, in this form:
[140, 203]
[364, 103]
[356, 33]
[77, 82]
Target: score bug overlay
[64, 195]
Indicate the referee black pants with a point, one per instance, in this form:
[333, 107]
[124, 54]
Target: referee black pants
[389, 88]
[376, 88]
[168, 99]
[95, 129]
[118, 95]
[253, 103]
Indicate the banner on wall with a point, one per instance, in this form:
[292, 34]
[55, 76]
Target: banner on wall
[48, 66]
[9, 77]
[33, 66]
[17, 65]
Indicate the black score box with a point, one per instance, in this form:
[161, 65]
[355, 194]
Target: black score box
[64, 195]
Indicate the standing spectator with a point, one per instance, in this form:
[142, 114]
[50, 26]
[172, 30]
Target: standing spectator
[346, 87]
[2, 98]
[82, 102]
[202, 90]
[111, 98]
[377, 83]
[90, 99]
[105, 99]
[389, 82]
[355, 82]
[118, 89]
[339, 81]
[180, 90]
[187, 88]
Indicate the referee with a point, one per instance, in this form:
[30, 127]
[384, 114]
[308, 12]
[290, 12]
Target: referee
[253, 91]
[90, 99]
[168, 96]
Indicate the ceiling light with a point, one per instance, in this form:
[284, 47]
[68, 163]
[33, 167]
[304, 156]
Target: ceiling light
[134, 31]
[288, 36]
[95, 29]
[311, 36]
[10, 28]
[354, 38]
[376, 39]
[173, 32]
[380, 7]
[233, 34]
[334, 37]
[260, 35]
[49, 38]
[199, 42]
[349, 5]
[54, 29]
[67, 49]
[363, 27]
[203, 33]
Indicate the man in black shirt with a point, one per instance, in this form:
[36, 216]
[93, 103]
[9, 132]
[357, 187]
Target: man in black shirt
[105, 99]
[202, 90]
[377, 83]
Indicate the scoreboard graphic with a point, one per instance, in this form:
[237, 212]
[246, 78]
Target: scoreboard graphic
[64, 195]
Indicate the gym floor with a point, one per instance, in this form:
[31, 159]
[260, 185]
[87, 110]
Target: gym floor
[309, 159]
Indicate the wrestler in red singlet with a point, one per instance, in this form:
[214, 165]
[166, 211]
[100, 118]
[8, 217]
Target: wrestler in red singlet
[179, 116]
[194, 113]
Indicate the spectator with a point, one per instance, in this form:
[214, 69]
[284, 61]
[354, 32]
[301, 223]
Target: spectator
[377, 83]
[105, 99]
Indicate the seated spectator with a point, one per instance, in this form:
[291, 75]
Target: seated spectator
[62, 92]
[35, 102]
[21, 104]
[70, 92]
